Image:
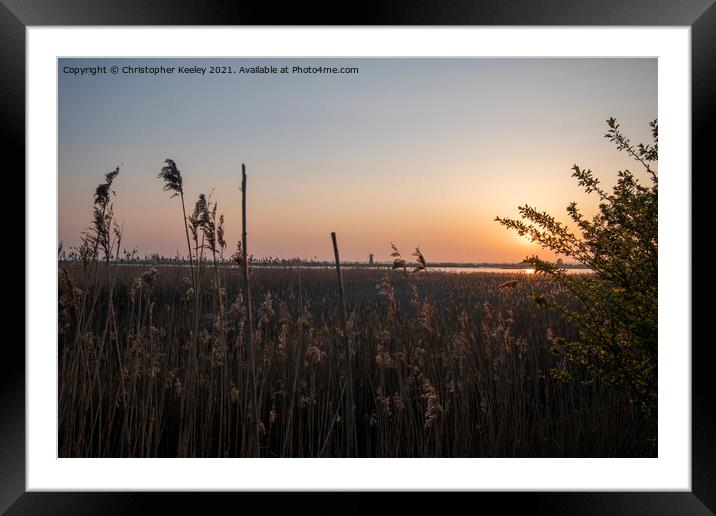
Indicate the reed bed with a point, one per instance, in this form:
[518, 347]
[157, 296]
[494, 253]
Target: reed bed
[153, 362]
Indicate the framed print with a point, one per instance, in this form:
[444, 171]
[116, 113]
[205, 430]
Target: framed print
[418, 253]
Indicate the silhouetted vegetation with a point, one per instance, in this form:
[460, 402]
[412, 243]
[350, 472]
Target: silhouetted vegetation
[616, 317]
[284, 360]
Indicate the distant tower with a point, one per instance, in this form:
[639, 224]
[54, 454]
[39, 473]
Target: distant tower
[370, 259]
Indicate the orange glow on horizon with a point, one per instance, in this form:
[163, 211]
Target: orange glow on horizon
[395, 154]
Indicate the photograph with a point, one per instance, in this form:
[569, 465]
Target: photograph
[380, 257]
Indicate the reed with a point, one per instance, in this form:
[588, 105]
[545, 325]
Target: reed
[349, 410]
[454, 367]
[174, 182]
[255, 419]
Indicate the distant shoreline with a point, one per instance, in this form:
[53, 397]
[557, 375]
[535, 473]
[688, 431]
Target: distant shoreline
[322, 264]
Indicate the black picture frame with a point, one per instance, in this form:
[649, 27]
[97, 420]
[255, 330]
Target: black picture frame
[16, 15]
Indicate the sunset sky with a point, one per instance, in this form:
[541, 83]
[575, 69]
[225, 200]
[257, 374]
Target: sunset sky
[412, 151]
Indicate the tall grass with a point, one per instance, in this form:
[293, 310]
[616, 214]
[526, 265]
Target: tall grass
[444, 365]
[243, 361]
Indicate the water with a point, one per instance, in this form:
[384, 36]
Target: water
[500, 270]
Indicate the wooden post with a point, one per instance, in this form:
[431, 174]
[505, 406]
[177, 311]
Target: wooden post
[248, 330]
[349, 414]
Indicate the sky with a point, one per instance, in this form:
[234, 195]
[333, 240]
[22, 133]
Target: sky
[418, 152]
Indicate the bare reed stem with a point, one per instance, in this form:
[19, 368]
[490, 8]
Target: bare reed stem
[350, 420]
[248, 331]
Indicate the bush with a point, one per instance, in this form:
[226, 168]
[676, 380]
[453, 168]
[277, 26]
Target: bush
[617, 319]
